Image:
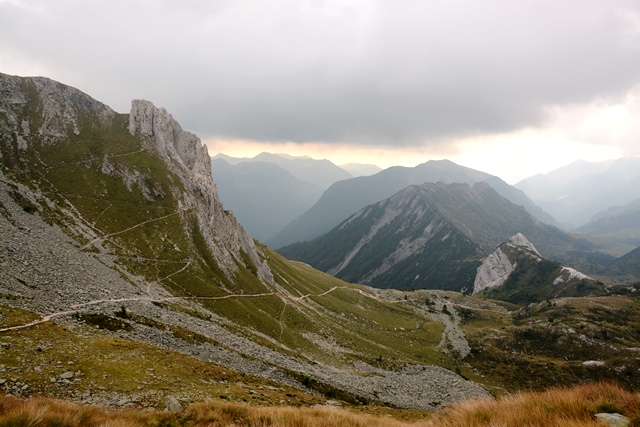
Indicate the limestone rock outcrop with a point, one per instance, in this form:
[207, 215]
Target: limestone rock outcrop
[496, 268]
[187, 157]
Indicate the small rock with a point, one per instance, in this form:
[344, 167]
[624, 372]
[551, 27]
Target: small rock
[173, 405]
[123, 401]
[331, 402]
[67, 375]
[614, 420]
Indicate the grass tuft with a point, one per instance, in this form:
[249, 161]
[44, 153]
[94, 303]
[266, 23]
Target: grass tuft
[554, 407]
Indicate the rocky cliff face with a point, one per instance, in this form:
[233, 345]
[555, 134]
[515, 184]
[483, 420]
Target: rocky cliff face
[59, 111]
[38, 106]
[497, 267]
[185, 156]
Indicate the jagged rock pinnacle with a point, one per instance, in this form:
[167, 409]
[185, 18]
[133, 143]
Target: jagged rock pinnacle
[187, 157]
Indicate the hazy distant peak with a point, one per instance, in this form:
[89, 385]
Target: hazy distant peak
[361, 169]
[573, 194]
[442, 162]
[290, 157]
[230, 159]
[322, 173]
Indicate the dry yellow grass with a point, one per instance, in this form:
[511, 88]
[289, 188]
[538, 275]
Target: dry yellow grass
[557, 407]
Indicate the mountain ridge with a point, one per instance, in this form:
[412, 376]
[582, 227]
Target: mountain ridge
[322, 172]
[425, 236]
[348, 196]
[516, 272]
[620, 223]
[185, 153]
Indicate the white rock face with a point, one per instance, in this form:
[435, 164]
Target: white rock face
[185, 156]
[494, 271]
[569, 273]
[496, 268]
[520, 241]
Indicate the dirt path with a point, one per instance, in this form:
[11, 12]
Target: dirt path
[77, 307]
[97, 239]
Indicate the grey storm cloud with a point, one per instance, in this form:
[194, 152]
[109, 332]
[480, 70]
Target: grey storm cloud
[375, 72]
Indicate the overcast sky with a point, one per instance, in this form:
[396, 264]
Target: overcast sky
[508, 87]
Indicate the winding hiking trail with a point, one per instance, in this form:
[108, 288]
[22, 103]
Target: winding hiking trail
[78, 307]
[286, 297]
[106, 236]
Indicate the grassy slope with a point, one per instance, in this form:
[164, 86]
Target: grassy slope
[141, 373]
[366, 327]
[547, 343]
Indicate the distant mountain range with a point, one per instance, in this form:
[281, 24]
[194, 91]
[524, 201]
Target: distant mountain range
[268, 191]
[574, 193]
[348, 196]
[430, 236]
[322, 173]
[621, 223]
[263, 196]
[360, 169]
